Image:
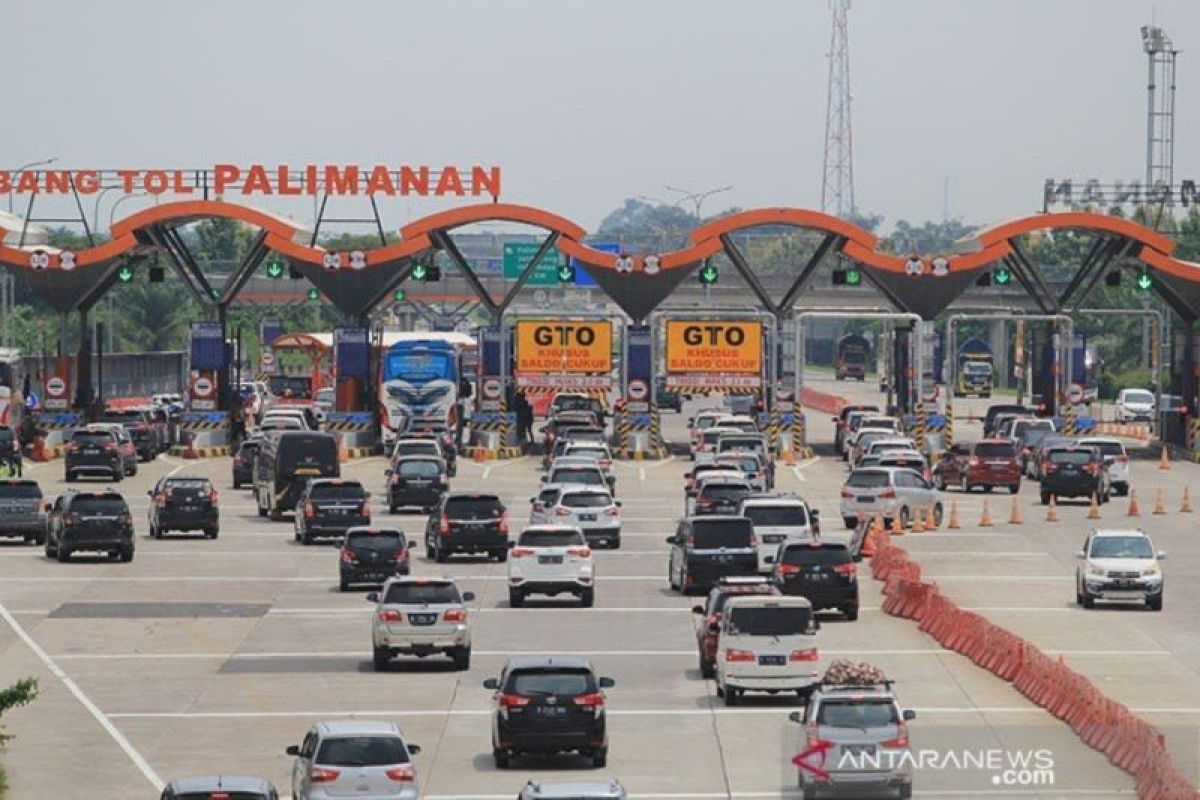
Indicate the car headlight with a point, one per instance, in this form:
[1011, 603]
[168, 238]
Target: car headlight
[1150, 570]
[1096, 571]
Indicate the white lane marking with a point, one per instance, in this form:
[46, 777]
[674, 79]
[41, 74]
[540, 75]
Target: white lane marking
[487, 472]
[259, 579]
[981, 554]
[597, 609]
[641, 473]
[1001, 577]
[660, 462]
[105, 722]
[1092, 794]
[172, 472]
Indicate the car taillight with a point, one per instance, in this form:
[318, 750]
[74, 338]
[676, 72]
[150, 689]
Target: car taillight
[786, 569]
[513, 701]
[712, 619]
[703, 502]
[442, 478]
[401, 774]
[212, 497]
[1047, 466]
[887, 493]
[110, 446]
[815, 741]
[1122, 459]
[310, 510]
[127, 519]
[612, 511]
[72, 447]
[559, 511]
[444, 525]
[521, 552]
[847, 492]
[390, 616]
[161, 500]
[402, 554]
[850, 570]
[804, 655]
[1091, 469]
[503, 524]
[237, 459]
[366, 509]
[455, 615]
[901, 739]
[581, 552]
[323, 774]
[973, 461]
[739, 655]
[348, 557]
[587, 702]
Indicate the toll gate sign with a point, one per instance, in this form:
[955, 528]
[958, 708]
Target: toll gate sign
[575, 353]
[717, 353]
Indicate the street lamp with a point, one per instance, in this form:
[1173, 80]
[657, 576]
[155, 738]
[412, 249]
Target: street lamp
[96, 207]
[113, 211]
[24, 167]
[697, 198]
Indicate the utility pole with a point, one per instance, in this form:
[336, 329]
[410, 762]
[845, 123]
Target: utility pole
[1160, 115]
[837, 178]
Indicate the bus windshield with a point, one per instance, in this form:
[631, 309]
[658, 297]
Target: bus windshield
[418, 366]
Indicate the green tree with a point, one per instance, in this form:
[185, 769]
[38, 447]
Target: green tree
[929, 238]
[221, 239]
[20, 693]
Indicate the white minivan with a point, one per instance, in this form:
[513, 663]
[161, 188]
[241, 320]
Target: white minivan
[766, 643]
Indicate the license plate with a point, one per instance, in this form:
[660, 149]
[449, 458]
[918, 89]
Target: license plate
[550, 711]
[550, 559]
[724, 559]
[1124, 584]
[422, 619]
[817, 576]
[587, 517]
[865, 498]
[772, 661]
[188, 508]
[773, 539]
[91, 451]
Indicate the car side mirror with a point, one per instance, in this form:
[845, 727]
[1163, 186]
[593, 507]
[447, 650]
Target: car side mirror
[691, 422]
[796, 717]
[815, 513]
[491, 683]
[606, 683]
[1080, 554]
[511, 544]
[468, 597]
[368, 495]
[814, 625]
[412, 543]
[909, 715]
[769, 559]
[544, 478]
[46, 506]
[373, 597]
[293, 750]
[533, 501]
[387, 473]
[670, 540]
[149, 493]
[714, 627]
[414, 749]
[619, 504]
[1161, 555]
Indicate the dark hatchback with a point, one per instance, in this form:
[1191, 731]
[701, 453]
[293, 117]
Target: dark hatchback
[1074, 471]
[372, 555]
[90, 521]
[720, 497]
[546, 706]
[824, 573]
[93, 452]
[328, 507]
[467, 522]
[416, 481]
[706, 549]
[184, 504]
[707, 632]
[243, 462]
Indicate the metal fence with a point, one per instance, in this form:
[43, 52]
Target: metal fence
[125, 374]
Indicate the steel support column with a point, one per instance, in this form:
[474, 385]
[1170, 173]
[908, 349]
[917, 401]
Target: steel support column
[1118, 247]
[254, 257]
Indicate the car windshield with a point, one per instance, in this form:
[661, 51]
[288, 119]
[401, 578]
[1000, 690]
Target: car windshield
[564, 537]
[220, 793]
[711, 436]
[416, 449]
[594, 453]
[1108, 448]
[415, 594]
[544, 683]
[768, 621]
[91, 438]
[825, 556]
[776, 516]
[868, 479]
[857, 713]
[361, 751]
[1022, 426]
[419, 469]
[566, 402]
[102, 506]
[741, 443]
[374, 540]
[188, 484]
[483, 507]
[725, 491]
[586, 500]
[1139, 397]
[1121, 547]
[20, 490]
[248, 449]
[703, 423]
[747, 464]
[307, 451]
[722, 598]
[585, 475]
[337, 491]
[1077, 457]
[995, 450]
[977, 368]
[729, 533]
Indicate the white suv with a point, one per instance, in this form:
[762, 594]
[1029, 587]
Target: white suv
[1134, 405]
[1119, 565]
[420, 617]
[1118, 470]
[766, 644]
[778, 519]
[592, 510]
[553, 560]
[357, 758]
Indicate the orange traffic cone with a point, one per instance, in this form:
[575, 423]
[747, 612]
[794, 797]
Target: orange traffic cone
[343, 452]
[918, 521]
[1014, 515]
[1135, 509]
[869, 547]
[931, 522]
[1159, 508]
[1164, 461]
[896, 529]
[191, 447]
[985, 519]
[1051, 511]
[1094, 509]
[1186, 506]
[38, 451]
[953, 524]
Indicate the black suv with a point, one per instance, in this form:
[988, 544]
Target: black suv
[467, 522]
[243, 462]
[705, 549]
[372, 555]
[1074, 470]
[22, 510]
[328, 507]
[93, 452]
[183, 503]
[720, 496]
[141, 427]
[97, 521]
[416, 481]
[549, 705]
[824, 573]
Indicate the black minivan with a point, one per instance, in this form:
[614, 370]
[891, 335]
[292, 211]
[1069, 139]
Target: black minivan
[823, 573]
[286, 462]
[467, 522]
[706, 549]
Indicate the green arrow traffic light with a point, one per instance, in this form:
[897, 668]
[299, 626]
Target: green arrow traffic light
[399, 295]
[708, 275]
[419, 272]
[1143, 282]
[274, 270]
[125, 274]
[853, 277]
[313, 294]
[566, 274]
[1001, 275]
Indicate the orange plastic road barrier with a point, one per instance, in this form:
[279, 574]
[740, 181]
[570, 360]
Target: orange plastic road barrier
[1014, 515]
[985, 519]
[1094, 509]
[191, 447]
[1186, 506]
[1164, 461]
[480, 455]
[1051, 511]
[1135, 510]
[953, 524]
[1159, 508]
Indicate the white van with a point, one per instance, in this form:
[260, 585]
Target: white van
[767, 644]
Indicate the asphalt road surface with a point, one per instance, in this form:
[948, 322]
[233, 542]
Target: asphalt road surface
[137, 689]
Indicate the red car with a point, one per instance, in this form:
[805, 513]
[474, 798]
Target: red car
[988, 463]
[706, 631]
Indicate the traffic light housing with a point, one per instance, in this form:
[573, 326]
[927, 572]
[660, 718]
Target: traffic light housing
[984, 279]
[313, 294]
[125, 273]
[157, 274]
[566, 273]
[708, 275]
[399, 295]
[1113, 278]
[426, 272]
[847, 277]
[1144, 281]
[1001, 276]
[275, 269]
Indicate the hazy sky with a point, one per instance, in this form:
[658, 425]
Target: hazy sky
[586, 103]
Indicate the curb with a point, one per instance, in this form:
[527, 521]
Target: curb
[181, 451]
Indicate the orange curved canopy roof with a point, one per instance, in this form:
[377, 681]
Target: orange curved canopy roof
[798, 217]
[484, 212]
[1077, 220]
[188, 210]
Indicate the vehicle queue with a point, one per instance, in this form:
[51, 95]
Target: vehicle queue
[759, 556]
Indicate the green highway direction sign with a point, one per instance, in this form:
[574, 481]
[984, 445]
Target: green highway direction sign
[517, 256]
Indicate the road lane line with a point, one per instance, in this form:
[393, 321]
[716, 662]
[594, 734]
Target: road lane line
[105, 722]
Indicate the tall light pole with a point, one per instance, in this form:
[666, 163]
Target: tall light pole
[24, 167]
[113, 211]
[697, 198]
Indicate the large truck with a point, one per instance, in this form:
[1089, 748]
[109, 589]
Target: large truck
[1085, 371]
[422, 383]
[850, 357]
[975, 369]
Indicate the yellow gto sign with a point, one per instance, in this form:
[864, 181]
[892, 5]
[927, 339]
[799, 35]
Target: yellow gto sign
[714, 347]
[564, 346]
